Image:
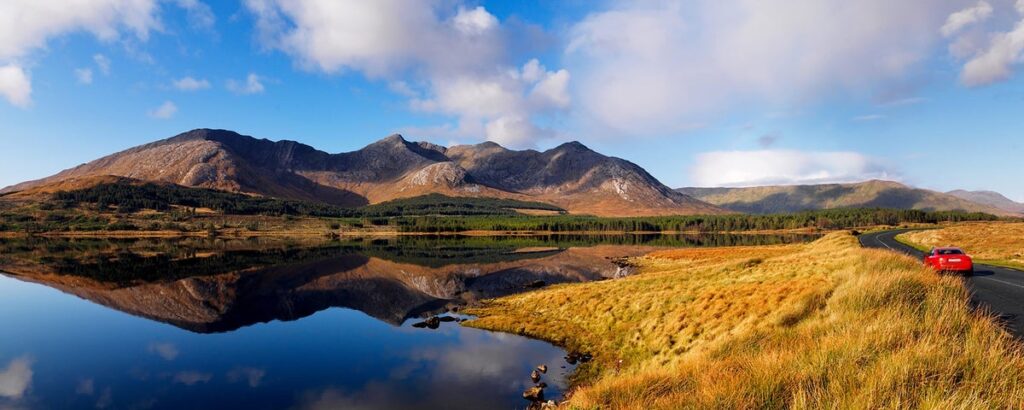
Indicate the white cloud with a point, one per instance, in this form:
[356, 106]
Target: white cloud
[474, 22]
[164, 111]
[102, 62]
[252, 85]
[190, 378]
[774, 167]
[966, 17]
[659, 66]
[996, 63]
[458, 56]
[16, 378]
[15, 85]
[84, 75]
[191, 84]
[989, 55]
[168, 351]
[199, 14]
[27, 25]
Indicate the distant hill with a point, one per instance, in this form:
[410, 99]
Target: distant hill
[990, 198]
[883, 194]
[570, 176]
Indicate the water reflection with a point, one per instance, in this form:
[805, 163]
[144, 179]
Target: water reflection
[110, 347]
[221, 285]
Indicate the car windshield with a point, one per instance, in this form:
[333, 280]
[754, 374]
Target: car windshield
[950, 252]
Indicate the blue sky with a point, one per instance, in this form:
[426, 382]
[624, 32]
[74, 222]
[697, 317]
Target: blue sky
[699, 92]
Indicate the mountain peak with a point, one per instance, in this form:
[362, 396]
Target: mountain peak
[572, 146]
[394, 138]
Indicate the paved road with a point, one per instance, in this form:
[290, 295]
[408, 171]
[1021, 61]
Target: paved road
[1000, 290]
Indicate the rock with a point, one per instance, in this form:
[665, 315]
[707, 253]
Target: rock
[432, 323]
[535, 376]
[549, 405]
[448, 319]
[572, 357]
[534, 394]
[543, 368]
[586, 357]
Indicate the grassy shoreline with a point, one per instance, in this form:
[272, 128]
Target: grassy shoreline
[826, 324]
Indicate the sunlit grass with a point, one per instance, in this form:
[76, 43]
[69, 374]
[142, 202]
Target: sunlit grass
[826, 324]
[989, 242]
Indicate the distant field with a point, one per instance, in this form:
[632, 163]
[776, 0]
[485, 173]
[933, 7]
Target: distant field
[991, 242]
[821, 325]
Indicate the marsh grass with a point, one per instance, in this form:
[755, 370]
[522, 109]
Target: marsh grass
[993, 243]
[820, 325]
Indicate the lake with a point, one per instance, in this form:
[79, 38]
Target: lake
[288, 323]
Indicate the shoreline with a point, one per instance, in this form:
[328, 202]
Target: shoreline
[357, 234]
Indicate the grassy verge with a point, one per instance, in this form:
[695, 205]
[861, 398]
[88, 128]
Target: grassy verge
[991, 243]
[826, 324]
[905, 241]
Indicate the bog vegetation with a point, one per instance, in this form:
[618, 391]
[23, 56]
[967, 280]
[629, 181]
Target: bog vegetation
[992, 243]
[821, 325]
[116, 206]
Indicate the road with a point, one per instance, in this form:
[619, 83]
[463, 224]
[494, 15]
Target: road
[1000, 290]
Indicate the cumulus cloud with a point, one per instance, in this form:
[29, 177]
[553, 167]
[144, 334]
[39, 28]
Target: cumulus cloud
[164, 111]
[989, 55]
[191, 84]
[27, 25]
[775, 167]
[458, 57]
[995, 63]
[657, 66]
[16, 378]
[15, 85]
[251, 85]
[966, 17]
[84, 75]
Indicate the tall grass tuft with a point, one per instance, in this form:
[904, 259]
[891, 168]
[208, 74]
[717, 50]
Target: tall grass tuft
[820, 325]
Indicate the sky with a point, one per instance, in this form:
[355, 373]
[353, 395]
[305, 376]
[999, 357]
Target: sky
[698, 92]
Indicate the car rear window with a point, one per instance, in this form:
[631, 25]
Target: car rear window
[950, 252]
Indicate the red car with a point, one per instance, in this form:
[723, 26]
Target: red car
[949, 259]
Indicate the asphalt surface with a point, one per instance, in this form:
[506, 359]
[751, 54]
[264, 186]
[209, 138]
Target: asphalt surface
[998, 290]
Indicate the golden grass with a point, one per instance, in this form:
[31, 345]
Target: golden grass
[826, 324]
[990, 242]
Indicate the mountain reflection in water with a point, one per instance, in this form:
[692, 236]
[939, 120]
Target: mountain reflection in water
[219, 285]
[63, 351]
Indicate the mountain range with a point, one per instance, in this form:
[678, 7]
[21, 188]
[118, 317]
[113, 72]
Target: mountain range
[869, 194]
[570, 175]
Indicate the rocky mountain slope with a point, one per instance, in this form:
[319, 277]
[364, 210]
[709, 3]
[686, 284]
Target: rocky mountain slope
[571, 175]
[882, 194]
[990, 198]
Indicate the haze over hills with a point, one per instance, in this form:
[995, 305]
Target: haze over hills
[990, 198]
[571, 175]
[794, 198]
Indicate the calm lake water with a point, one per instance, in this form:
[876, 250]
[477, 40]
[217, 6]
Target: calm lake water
[275, 323]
